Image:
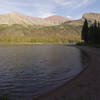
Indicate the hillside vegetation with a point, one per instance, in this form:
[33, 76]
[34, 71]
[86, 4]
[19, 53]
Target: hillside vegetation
[39, 34]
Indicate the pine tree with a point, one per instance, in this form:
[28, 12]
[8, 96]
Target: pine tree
[95, 32]
[98, 30]
[85, 31]
[90, 34]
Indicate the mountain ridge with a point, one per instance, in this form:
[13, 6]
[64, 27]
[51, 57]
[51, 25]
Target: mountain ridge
[17, 18]
[91, 17]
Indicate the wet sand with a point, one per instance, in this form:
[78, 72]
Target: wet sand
[86, 85]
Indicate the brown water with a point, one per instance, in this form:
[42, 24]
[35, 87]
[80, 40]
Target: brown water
[29, 70]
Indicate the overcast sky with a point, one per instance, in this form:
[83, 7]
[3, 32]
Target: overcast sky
[44, 8]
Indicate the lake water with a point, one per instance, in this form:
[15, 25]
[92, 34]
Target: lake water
[30, 70]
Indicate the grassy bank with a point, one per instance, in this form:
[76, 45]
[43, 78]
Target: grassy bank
[53, 40]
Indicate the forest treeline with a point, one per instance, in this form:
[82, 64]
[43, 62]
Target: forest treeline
[91, 32]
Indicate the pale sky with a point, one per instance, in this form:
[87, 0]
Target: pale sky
[44, 8]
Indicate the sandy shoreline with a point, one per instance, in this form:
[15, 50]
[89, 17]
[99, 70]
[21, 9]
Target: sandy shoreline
[86, 85]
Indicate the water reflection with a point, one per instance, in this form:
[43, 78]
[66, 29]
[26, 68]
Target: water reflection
[25, 71]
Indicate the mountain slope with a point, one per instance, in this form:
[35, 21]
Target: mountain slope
[57, 19]
[91, 17]
[16, 18]
[39, 34]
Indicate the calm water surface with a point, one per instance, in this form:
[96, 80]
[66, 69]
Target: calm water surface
[29, 70]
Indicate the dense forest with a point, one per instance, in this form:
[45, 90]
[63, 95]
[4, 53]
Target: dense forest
[91, 32]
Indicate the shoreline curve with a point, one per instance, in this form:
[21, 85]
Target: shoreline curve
[84, 85]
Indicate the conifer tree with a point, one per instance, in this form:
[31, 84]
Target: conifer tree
[85, 31]
[98, 30]
[95, 32]
[91, 34]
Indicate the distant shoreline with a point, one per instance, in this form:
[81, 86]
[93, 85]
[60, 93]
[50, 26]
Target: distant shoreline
[86, 85]
[29, 43]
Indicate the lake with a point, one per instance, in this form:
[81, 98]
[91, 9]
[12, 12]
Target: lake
[27, 71]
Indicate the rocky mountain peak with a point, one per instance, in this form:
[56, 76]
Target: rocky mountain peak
[92, 16]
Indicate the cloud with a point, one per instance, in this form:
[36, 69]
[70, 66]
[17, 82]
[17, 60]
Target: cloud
[41, 8]
[73, 3]
[69, 17]
[63, 2]
[44, 10]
